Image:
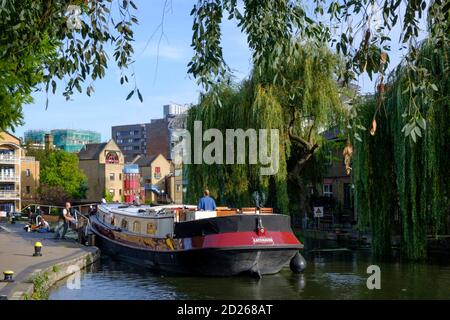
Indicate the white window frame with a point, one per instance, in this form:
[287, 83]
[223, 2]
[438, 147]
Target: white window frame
[326, 190]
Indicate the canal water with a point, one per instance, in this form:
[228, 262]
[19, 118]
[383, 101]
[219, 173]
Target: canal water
[332, 273]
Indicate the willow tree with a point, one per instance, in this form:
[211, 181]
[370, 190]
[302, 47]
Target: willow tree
[409, 164]
[298, 106]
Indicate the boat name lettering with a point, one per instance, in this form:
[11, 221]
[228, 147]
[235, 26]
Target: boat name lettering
[264, 240]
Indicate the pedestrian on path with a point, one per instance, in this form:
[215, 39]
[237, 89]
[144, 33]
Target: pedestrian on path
[64, 221]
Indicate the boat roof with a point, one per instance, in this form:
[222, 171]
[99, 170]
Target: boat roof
[140, 210]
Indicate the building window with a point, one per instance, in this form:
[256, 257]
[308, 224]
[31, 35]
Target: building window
[111, 176]
[137, 227]
[28, 172]
[120, 177]
[112, 157]
[348, 196]
[178, 187]
[111, 192]
[120, 192]
[124, 224]
[328, 190]
[28, 189]
[157, 173]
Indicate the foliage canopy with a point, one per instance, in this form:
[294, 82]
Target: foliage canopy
[309, 101]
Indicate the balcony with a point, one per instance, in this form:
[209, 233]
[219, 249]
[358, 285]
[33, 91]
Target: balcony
[9, 195]
[9, 178]
[8, 159]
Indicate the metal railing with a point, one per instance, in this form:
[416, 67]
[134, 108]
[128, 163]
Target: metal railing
[9, 159]
[81, 222]
[9, 195]
[9, 178]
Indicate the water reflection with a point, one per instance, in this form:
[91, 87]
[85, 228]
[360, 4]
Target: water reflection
[330, 275]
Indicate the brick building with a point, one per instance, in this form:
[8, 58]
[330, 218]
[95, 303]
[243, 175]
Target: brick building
[103, 164]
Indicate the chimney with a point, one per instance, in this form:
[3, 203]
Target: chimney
[48, 141]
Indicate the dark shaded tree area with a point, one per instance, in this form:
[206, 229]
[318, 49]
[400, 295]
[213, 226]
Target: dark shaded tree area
[401, 177]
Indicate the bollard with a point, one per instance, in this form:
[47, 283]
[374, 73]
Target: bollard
[8, 275]
[37, 249]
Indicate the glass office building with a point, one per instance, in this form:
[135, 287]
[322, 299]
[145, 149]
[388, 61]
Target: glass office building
[66, 139]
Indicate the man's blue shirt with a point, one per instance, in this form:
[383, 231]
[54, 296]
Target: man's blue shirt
[207, 203]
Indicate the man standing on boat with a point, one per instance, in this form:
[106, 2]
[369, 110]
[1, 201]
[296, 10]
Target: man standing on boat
[206, 203]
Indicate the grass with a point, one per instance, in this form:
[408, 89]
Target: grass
[40, 288]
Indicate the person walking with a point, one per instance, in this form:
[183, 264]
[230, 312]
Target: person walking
[64, 220]
[206, 203]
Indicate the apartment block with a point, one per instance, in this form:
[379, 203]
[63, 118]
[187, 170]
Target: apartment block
[19, 175]
[131, 139]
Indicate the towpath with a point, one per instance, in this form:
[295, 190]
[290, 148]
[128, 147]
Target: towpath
[16, 254]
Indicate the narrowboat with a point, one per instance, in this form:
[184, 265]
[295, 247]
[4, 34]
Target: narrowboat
[180, 239]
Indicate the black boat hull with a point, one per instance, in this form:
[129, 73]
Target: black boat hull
[208, 261]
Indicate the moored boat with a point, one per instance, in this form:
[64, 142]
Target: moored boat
[179, 239]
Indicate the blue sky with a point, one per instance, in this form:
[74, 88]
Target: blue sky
[160, 83]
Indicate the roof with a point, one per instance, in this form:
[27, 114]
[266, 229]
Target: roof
[10, 134]
[144, 160]
[91, 151]
[332, 134]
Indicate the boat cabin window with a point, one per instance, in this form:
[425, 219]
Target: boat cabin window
[137, 227]
[124, 224]
[151, 228]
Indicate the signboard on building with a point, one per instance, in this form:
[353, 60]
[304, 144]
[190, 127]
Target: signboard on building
[318, 212]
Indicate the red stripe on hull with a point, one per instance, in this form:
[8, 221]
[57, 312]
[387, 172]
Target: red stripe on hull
[242, 239]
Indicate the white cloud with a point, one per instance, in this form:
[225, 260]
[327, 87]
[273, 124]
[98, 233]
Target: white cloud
[163, 51]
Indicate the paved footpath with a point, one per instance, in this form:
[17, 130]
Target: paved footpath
[16, 254]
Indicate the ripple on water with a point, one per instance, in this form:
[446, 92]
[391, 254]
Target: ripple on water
[328, 276]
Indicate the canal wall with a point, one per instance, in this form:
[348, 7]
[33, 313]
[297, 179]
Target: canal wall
[33, 276]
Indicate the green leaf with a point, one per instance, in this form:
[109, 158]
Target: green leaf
[422, 123]
[130, 95]
[417, 131]
[413, 136]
